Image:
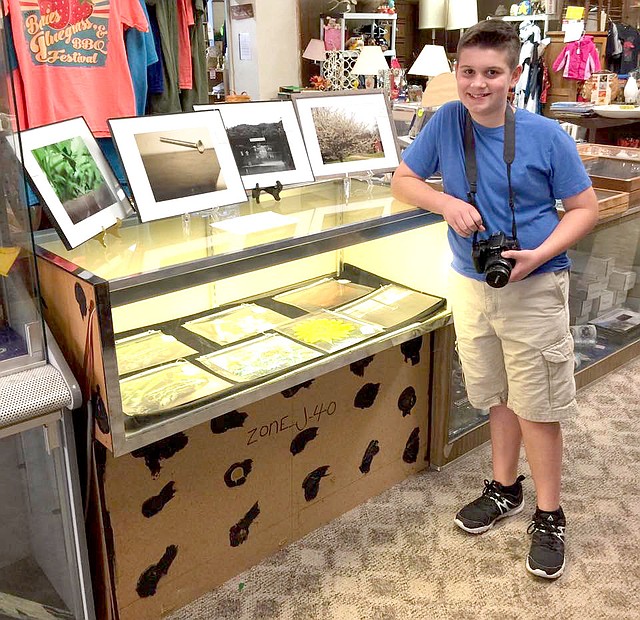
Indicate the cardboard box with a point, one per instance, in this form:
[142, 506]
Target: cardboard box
[186, 514]
[602, 303]
[619, 298]
[633, 303]
[583, 262]
[580, 307]
[586, 287]
[621, 280]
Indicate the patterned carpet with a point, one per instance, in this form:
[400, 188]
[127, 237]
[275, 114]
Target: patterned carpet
[399, 556]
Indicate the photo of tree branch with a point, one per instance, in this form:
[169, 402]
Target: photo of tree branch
[343, 136]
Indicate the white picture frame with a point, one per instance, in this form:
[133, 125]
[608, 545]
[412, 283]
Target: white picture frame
[325, 116]
[266, 142]
[177, 163]
[82, 207]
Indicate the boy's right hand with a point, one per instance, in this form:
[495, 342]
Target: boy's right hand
[463, 217]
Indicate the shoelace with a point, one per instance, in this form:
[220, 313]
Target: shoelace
[493, 494]
[552, 534]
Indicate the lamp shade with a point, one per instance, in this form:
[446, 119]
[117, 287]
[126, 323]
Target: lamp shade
[461, 14]
[431, 61]
[433, 14]
[370, 61]
[315, 50]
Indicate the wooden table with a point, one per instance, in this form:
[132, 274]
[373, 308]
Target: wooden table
[593, 123]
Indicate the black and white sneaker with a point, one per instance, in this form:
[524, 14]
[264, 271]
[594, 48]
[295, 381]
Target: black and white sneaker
[495, 503]
[546, 556]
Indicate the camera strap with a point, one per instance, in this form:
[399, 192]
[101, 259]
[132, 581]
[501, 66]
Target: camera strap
[508, 155]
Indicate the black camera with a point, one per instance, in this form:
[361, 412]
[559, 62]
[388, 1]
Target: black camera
[487, 258]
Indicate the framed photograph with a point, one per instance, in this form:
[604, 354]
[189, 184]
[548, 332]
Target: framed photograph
[266, 142]
[177, 163]
[347, 133]
[73, 179]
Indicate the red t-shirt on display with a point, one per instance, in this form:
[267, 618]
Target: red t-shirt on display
[72, 59]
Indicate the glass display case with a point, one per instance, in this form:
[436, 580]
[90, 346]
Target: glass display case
[180, 320]
[22, 343]
[43, 558]
[604, 306]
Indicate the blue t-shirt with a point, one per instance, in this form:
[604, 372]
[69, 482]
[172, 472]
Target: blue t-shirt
[546, 167]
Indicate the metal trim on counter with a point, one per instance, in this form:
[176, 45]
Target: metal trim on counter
[125, 443]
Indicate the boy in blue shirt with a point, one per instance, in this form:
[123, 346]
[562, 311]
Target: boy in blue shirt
[513, 340]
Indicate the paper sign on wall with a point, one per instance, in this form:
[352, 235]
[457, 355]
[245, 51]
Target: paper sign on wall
[244, 45]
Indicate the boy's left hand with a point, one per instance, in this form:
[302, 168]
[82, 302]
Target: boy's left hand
[526, 262]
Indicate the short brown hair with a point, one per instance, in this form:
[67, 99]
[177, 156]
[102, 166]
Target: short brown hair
[493, 34]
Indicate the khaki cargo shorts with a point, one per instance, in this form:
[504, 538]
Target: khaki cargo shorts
[515, 346]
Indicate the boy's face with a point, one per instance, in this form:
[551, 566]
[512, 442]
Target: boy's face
[484, 79]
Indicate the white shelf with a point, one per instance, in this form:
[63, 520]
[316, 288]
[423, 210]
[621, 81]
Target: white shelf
[521, 18]
[370, 16]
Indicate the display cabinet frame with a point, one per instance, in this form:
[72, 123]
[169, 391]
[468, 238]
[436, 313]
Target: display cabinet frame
[89, 339]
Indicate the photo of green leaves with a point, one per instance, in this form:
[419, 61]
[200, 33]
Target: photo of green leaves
[75, 178]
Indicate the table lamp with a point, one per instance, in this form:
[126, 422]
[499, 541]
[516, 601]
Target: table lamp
[315, 51]
[431, 61]
[432, 15]
[461, 14]
[369, 62]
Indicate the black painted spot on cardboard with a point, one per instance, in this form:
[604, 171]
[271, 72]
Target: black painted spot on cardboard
[357, 368]
[311, 484]
[155, 504]
[237, 474]
[372, 449]
[292, 391]
[160, 451]
[366, 395]
[410, 454]
[100, 411]
[301, 440]
[411, 350]
[81, 298]
[239, 532]
[407, 400]
[224, 423]
[148, 581]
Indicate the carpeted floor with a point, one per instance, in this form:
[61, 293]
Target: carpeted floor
[399, 555]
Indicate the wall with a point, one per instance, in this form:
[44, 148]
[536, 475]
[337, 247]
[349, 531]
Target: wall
[274, 48]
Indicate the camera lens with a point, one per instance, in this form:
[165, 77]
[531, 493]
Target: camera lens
[498, 273]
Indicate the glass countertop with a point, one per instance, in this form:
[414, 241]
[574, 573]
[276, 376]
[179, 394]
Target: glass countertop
[137, 248]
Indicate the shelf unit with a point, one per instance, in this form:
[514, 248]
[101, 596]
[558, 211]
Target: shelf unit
[534, 18]
[349, 21]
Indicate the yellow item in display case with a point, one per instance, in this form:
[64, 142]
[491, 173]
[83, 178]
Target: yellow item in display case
[329, 331]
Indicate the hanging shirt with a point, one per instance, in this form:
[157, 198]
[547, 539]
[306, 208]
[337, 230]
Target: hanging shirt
[199, 93]
[155, 72]
[72, 59]
[141, 52]
[185, 21]
[630, 40]
[169, 99]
